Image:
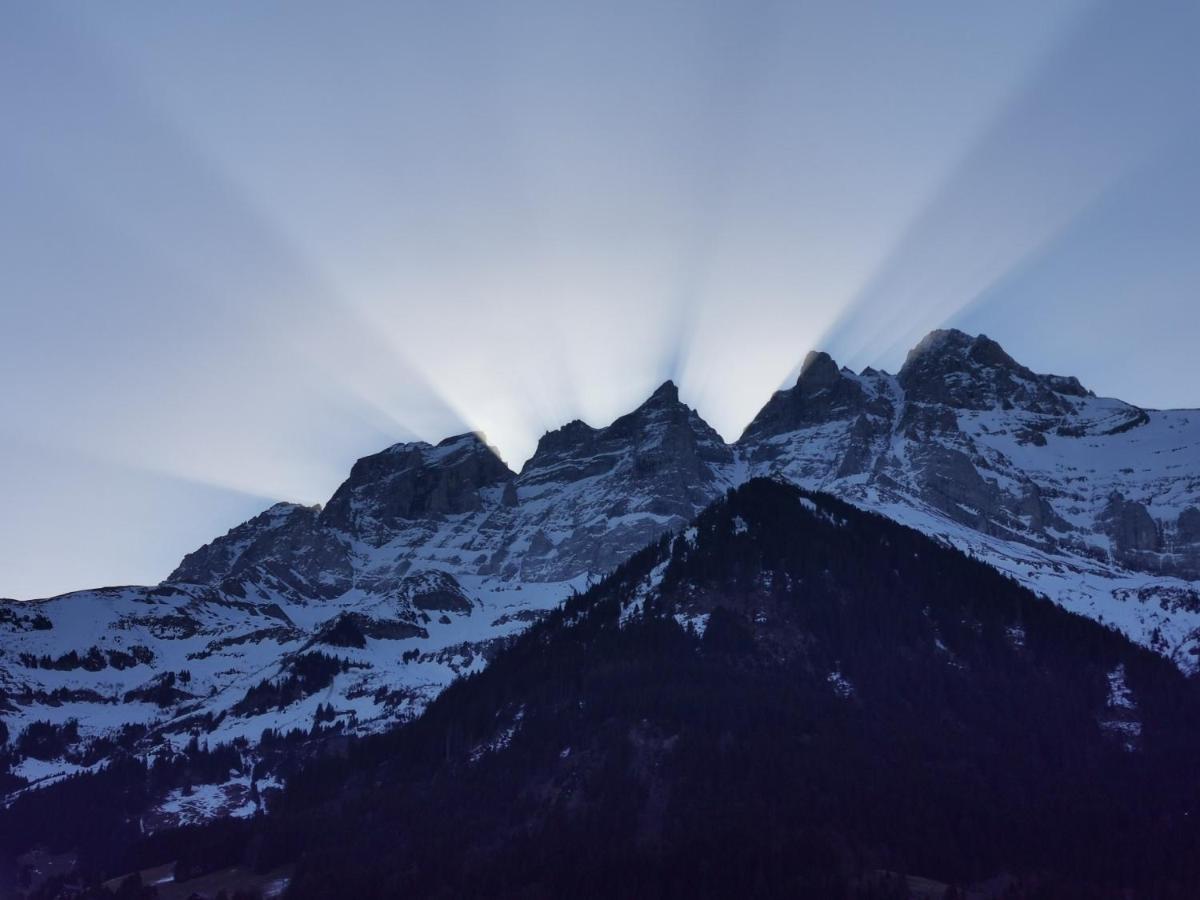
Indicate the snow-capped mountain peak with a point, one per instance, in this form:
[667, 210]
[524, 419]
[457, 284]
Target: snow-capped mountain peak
[429, 556]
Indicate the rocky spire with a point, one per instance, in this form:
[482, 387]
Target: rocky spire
[959, 370]
[409, 481]
[823, 392]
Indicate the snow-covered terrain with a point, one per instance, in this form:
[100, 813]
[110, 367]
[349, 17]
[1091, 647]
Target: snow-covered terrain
[1089, 500]
[428, 557]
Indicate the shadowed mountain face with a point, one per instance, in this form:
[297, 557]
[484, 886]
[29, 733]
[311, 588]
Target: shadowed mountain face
[788, 698]
[964, 372]
[411, 482]
[429, 559]
[586, 499]
[784, 700]
[821, 394]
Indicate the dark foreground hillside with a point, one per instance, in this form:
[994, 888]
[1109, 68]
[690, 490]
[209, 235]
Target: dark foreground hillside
[788, 700]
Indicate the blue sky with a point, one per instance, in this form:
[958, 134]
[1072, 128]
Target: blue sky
[244, 244]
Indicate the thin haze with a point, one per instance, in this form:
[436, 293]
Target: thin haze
[244, 244]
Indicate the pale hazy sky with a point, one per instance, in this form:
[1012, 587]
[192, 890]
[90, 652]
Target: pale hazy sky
[243, 244]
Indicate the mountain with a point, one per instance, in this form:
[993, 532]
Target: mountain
[424, 562]
[1089, 500]
[429, 560]
[786, 699]
[793, 697]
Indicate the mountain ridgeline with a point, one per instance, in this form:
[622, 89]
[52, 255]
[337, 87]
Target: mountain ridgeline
[791, 698]
[430, 561]
[786, 700]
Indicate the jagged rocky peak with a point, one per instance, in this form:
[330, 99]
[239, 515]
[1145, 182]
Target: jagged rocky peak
[949, 346]
[414, 480]
[591, 496]
[223, 556]
[666, 394]
[819, 368]
[662, 428]
[570, 437]
[285, 550]
[823, 393]
[966, 371]
[575, 440]
[664, 403]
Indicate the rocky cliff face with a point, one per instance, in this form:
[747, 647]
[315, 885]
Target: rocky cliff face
[284, 550]
[411, 482]
[595, 495]
[822, 394]
[953, 369]
[428, 558]
[1086, 499]
[968, 433]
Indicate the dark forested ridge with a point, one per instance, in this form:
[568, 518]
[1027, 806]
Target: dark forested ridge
[787, 700]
